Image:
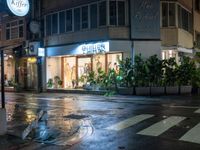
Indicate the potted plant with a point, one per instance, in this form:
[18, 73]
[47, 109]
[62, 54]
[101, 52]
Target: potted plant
[50, 83]
[125, 77]
[184, 74]
[57, 82]
[170, 76]
[155, 67]
[109, 82]
[141, 80]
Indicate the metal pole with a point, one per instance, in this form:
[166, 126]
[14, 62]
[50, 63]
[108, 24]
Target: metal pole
[2, 80]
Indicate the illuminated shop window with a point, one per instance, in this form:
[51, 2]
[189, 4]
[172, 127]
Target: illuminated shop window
[98, 62]
[113, 61]
[69, 72]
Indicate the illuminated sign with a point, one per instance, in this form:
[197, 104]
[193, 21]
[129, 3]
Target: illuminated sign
[41, 52]
[18, 7]
[94, 48]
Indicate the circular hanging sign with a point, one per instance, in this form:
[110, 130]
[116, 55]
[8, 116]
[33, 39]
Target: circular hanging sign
[18, 7]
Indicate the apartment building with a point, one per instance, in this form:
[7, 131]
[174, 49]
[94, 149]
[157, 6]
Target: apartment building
[81, 35]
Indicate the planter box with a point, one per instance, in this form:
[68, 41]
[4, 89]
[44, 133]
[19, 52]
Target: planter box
[185, 89]
[125, 90]
[157, 90]
[172, 90]
[142, 91]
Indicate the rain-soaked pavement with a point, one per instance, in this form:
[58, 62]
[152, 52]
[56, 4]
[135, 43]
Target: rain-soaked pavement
[91, 122]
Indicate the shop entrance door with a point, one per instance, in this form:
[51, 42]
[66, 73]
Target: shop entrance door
[28, 78]
[84, 67]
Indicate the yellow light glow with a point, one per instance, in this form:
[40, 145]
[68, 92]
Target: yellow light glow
[32, 60]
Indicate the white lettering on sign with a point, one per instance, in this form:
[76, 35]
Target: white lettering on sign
[18, 7]
[94, 48]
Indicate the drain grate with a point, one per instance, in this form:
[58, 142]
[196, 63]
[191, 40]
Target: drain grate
[74, 116]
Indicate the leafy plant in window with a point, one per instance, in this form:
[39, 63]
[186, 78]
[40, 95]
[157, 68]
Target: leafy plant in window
[50, 83]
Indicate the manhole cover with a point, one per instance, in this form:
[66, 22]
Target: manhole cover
[74, 116]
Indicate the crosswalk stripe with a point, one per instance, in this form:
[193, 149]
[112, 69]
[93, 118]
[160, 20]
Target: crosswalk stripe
[129, 122]
[162, 126]
[192, 135]
[197, 111]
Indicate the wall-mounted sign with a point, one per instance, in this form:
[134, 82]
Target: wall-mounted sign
[94, 48]
[41, 52]
[145, 19]
[18, 7]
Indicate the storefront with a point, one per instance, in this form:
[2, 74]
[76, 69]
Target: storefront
[68, 64]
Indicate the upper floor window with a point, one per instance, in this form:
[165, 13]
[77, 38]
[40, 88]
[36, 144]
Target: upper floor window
[84, 17]
[93, 16]
[117, 12]
[185, 20]
[14, 29]
[197, 5]
[102, 13]
[168, 14]
[89, 16]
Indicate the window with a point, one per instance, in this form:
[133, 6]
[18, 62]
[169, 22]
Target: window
[121, 13]
[69, 20]
[48, 25]
[172, 14]
[197, 5]
[117, 12]
[93, 16]
[85, 17]
[113, 13]
[62, 22]
[14, 30]
[164, 14]
[185, 20]
[168, 14]
[55, 23]
[102, 13]
[77, 19]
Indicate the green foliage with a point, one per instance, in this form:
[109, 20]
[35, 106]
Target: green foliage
[155, 68]
[185, 71]
[50, 83]
[170, 72]
[140, 72]
[126, 73]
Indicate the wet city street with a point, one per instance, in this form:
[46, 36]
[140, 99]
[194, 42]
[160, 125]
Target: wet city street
[92, 122]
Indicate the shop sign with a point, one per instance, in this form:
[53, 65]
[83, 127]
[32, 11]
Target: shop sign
[94, 48]
[145, 19]
[18, 7]
[41, 52]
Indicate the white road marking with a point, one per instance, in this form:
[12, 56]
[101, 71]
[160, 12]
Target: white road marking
[162, 126]
[193, 135]
[129, 122]
[197, 111]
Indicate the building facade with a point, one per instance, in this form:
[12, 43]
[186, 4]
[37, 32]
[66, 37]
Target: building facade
[82, 35]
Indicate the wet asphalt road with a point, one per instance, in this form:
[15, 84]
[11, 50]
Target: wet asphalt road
[68, 113]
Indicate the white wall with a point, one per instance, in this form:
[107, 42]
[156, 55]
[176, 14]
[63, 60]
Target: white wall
[147, 48]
